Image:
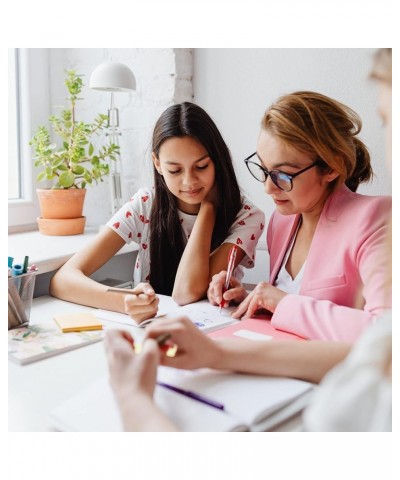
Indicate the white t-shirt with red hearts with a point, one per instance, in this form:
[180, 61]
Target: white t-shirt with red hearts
[132, 222]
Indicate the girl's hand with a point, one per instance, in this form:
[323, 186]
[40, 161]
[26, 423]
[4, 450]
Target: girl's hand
[264, 296]
[195, 349]
[141, 303]
[236, 292]
[212, 196]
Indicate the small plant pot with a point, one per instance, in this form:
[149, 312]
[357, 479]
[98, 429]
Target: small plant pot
[59, 204]
[61, 226]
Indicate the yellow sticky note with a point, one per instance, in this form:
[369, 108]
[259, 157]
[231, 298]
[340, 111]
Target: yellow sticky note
[77, 322]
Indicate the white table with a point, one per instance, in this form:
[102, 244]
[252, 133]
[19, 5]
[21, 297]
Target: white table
[34, 390]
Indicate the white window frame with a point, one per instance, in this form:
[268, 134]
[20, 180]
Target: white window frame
[34, 101]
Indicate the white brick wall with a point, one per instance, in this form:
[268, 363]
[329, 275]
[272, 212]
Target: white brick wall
[163, 77]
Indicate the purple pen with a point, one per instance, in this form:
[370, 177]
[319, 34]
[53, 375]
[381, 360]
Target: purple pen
[193, 395]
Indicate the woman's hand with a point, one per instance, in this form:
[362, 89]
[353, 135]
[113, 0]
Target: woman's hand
[131, 374]
[195, 349]
[141, 303]
[236, 292]
[264, 296]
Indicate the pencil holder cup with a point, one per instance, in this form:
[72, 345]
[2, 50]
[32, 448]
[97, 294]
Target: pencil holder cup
[20, 294]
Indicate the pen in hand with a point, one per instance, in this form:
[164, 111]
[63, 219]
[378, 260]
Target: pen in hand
[170, 350]
[229, 271]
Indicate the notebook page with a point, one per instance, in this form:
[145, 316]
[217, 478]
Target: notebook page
[84, 412]
[204, 315]
[249, 398]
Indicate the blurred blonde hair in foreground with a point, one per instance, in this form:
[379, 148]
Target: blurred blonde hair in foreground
[382, 72]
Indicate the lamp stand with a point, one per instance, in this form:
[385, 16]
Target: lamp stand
[115, 165]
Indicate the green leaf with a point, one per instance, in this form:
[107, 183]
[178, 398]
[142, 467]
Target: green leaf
[91, 150]
[41, 177]
[66, 179]
[78, 170]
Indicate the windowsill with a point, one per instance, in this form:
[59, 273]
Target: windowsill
[49, 253]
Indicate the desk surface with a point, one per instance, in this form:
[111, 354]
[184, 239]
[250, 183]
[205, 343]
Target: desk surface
[37, 388]
[34, 390]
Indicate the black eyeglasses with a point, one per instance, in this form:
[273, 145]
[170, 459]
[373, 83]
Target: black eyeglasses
[282, 180]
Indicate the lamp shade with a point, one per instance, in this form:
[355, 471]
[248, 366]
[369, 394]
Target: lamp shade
[113, 77]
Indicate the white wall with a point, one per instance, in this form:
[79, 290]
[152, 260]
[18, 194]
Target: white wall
[235, 86]
[163, 77]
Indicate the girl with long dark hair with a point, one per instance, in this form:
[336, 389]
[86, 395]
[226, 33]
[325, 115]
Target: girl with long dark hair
[185, 225]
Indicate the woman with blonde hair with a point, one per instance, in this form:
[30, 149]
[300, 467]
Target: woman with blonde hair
[325, 241]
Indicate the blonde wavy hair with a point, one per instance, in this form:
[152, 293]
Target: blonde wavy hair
[382, 66]
[324, 128]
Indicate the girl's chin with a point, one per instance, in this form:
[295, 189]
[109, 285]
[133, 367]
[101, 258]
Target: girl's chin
[190, 207]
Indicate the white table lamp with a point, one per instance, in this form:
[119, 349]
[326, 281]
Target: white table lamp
[113, 77]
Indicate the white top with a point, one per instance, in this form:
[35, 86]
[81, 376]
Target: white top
[284, 281]
[357, 394]
[131, 222]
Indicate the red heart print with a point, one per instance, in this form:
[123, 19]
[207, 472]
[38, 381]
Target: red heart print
[239, 241]
[116, 225]
[137, 265]
[251, 263]
[139, 235]
[181, 220]
[261, 226]
[144, 245]
[145, 198]
[128, 214]
[242, 222]
[247, 207]
[130, 235]
[253, 237]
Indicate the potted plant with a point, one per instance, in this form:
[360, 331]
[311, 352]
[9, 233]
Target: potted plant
[71, 165]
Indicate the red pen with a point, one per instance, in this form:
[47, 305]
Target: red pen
[229, 271]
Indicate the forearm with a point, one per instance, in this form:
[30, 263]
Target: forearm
[318, 319]
[193, 274]
[72, 285]
[304, 360]
[140, 414]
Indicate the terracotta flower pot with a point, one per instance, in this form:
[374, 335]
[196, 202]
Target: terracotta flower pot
[61, 211]
[61, 203]
[61, 226]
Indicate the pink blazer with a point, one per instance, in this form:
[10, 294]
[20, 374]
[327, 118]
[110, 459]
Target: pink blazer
[343, 288]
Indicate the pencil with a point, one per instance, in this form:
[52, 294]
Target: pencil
[161, 340]
[121, 290]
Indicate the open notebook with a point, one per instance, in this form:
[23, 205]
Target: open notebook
[204, 315]
[250, 402]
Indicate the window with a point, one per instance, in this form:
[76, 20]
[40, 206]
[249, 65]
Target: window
[14, 185]
[28, 107]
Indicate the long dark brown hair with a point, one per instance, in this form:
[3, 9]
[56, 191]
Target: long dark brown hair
[166, 234]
